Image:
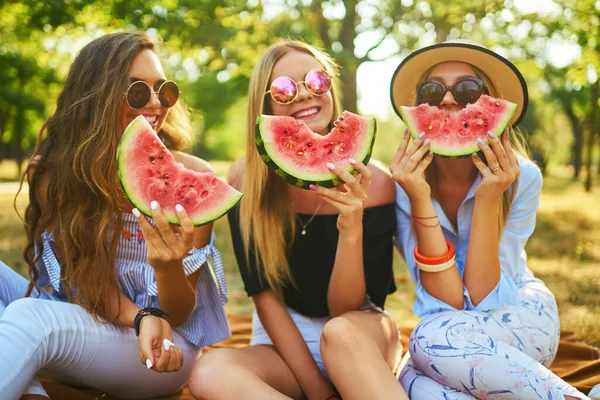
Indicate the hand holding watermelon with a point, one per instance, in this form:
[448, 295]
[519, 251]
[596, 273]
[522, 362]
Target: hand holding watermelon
[350, 204]
[409, 164]
[167, 245]
[502, 168]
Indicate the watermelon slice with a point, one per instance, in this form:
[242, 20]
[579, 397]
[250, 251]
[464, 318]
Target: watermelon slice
[455, 133]
[299, 155]
[148, 171]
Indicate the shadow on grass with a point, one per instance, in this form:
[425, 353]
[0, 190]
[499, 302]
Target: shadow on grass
[563, 233]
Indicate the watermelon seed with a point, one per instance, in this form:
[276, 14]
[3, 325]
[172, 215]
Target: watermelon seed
[300, 153]
[160, 157]
[166, 183]
[342, 130]
[204, 194]
[497, 104]
[465, 124]
[304, 149]
[447, 118]
[330, 151]
[430, 127]
[342, 149]
[286, 131]
[331, 143]
[165, 176]
[152, 159]
[309, 144]
[191, 186]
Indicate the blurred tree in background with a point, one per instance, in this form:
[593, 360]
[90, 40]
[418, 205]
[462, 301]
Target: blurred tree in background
[212, 45]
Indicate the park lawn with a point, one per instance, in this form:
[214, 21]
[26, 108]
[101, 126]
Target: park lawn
[564, 251]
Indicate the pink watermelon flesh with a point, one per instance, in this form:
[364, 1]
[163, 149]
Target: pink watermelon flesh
[148, 171]
[455, 133]
[301, 154]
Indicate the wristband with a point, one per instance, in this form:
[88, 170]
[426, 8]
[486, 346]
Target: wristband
[157, 312]
[435, 260]
[437, 267]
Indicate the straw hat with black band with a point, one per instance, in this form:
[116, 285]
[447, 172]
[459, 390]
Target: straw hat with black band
[508, 82]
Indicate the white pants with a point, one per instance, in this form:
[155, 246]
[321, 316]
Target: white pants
[64, 342]
[499, 354]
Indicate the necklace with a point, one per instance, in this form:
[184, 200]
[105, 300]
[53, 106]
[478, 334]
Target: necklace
[305, 225]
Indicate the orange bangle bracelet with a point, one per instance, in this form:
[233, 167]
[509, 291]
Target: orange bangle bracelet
[435, 260]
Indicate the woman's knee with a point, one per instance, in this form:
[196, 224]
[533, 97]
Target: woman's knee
[212, 373]
[340, 332]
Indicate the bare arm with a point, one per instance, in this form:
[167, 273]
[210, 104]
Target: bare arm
[482, 269]
[290, 344]
[408, 168]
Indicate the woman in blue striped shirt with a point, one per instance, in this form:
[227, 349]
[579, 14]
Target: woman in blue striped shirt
[106, 268]
[490, 328]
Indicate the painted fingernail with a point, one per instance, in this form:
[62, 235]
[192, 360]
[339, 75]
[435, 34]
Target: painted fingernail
[352, 161]
[330, 166]
[490, 134]
[168, 344]
[480, 141]
[149, 363]
[179, 208]
[153, 204]
[430, 154]
[313, 187]
[421, 135]
[136, 212]
[426, 142]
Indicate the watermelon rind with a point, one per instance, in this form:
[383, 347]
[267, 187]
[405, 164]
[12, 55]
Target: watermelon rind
[300, 178]
[467, 149]
[128, 139]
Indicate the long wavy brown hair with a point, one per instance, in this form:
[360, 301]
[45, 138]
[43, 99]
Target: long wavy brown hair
[265, 213]
[75, 171]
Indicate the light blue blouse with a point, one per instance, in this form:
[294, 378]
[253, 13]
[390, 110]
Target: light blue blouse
[206, 325]
[513, 259]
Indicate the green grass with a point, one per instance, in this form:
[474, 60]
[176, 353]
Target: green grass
[564, 251]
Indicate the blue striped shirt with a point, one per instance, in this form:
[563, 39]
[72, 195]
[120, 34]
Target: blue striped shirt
[206, 325]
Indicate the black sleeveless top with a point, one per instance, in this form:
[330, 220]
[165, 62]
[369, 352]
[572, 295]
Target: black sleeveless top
[312, 257]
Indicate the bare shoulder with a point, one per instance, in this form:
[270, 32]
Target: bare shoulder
[192, 162]
[382, 189]
[236, 174]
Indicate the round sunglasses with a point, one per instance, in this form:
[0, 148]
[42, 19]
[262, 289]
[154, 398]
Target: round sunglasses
[284, 90]
[465, 91]
[139, 92]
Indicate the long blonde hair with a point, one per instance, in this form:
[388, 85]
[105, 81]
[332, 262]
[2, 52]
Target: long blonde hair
[267, 221]
[76, 156]
[517, 142]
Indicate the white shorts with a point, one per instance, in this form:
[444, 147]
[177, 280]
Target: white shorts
[310, 328]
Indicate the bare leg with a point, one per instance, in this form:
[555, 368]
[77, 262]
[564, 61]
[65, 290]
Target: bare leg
[254, 372]
[360, 350]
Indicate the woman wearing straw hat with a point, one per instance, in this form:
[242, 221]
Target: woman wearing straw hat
[490, 329]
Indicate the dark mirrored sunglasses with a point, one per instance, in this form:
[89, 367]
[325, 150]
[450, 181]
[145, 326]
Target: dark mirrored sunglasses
[139, 92]
[284, 90]
[465, 91]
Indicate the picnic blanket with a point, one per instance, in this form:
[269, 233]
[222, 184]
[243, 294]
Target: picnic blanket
[576, 362]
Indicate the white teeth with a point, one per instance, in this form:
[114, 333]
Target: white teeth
[151, 120]
[306, 113]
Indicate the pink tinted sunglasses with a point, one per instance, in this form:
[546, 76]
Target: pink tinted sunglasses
[284, 90]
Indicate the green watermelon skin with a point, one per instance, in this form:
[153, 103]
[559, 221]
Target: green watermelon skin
[148, 171]
[352, 137]
[455, 133]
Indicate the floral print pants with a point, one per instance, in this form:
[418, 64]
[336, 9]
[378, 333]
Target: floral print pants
[498, 354]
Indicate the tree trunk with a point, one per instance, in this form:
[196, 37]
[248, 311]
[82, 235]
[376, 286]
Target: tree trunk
[348, 61]
[595, 93]
[577, 148]
[19, 124]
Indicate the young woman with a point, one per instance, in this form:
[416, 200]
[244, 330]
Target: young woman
[490, 328]
[111, 274]
[317, 263]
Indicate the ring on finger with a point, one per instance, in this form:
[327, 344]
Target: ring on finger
[496, 169]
